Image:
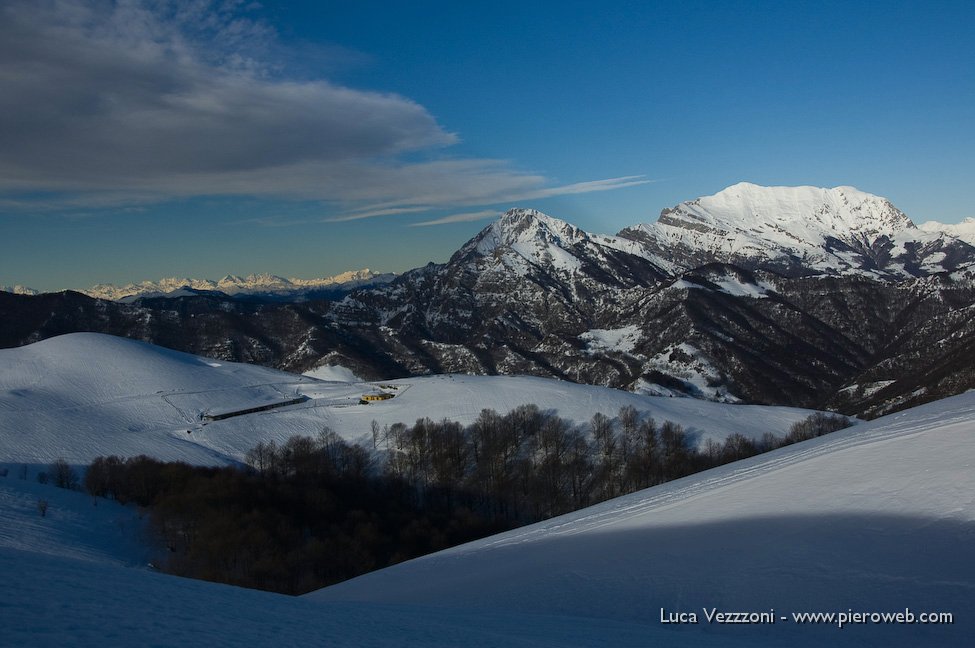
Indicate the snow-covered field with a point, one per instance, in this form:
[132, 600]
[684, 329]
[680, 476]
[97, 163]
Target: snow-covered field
[72, 527]
[876, 518]
[79, 576]
[56, 602]
[879, 518]
[83, 395]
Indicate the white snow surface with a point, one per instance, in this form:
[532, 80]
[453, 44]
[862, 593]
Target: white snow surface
[743, 289]
[461, 398]
[748, 221]
[83, 395]
[80, 576]
[622, 339]
[809, 213]
[686, 362]
[72, 527]
[878, 517]
[729, 285]
[746, 215]
[53, 601]
[333, 373]
[964, 230]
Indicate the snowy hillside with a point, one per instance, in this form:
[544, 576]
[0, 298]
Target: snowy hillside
[800, 230]
[52, 602]
[83, 395]
[72, 527]
[80, 576]
[878, 518]
[872, 519]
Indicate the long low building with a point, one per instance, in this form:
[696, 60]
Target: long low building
[251, 410]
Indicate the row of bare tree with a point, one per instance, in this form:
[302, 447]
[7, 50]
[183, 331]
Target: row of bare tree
[530, 464]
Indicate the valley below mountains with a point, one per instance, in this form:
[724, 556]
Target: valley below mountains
[800, 296]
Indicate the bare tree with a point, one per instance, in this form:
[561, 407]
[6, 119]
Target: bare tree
[63, 474]
[675, 450]
[712, 451]
[738, 446]
[263, 457]
[374, 427]
[609, 464]
[628, 422]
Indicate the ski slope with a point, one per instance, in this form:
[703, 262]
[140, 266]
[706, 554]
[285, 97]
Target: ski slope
[80, 576]
[878, 517]
[52, 602]
[82, 395]
[74, 526]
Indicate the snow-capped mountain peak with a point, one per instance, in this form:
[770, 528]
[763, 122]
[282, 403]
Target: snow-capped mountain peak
[263, 283]
[810, 212]
[526, 235]
[799, 230]
[252, 281]
[526, 238]
[18, 290]
[525, 226]
[964, 230]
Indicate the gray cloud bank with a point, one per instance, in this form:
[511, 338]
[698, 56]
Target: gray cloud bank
[108, 102]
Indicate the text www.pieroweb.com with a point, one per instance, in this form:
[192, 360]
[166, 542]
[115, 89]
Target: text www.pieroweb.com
[839, 619]
[850, 617]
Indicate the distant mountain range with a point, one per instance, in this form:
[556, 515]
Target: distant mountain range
[19, 290]
[253, 285]
[964, 230]
[825, 298]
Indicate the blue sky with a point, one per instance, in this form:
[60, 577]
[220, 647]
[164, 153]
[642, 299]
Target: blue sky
[305, 138]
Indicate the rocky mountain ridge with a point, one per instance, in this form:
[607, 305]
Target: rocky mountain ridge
[800, 231]
[866, 333]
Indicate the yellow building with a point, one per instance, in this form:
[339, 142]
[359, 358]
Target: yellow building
[369, 398]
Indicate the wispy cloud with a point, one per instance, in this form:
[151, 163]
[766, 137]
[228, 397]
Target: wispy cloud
[275, 221]
[459, 218]
[372, 213]
[113, 104]
[590, 186]
[159, 96]
[494, 187]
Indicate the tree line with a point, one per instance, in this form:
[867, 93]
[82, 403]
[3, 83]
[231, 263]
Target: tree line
[310, 521]
[529, 464]
[315, 511]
